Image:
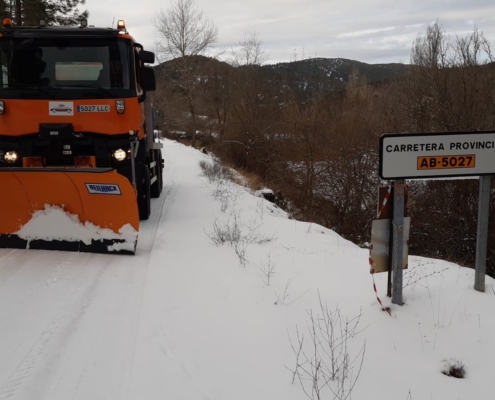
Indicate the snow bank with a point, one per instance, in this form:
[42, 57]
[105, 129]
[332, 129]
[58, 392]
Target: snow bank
[54, 223]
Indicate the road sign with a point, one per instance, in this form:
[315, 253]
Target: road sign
[380, 241]
[409, 156]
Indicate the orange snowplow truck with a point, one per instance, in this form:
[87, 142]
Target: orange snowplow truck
[79, 160]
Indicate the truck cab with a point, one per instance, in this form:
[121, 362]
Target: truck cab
[79, 97]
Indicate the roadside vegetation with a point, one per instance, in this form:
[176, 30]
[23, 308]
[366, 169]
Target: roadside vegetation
[316, 145]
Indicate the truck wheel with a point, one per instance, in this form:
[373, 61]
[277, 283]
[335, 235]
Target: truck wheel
[156, 188]
[144, 196]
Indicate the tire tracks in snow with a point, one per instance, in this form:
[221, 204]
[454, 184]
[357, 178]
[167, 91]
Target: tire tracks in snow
[56, 333]
[33, 374]
[165, 200]
[117, 384]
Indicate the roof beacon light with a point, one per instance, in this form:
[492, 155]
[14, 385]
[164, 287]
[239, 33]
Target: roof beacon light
[84, 23]
[7, 22]
[42, 23]
[120, 24]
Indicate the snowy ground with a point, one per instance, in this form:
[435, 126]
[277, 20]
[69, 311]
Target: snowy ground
[188, 319]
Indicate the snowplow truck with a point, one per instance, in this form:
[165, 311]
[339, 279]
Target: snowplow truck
[79, 160]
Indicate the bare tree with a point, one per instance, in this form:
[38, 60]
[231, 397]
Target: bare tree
[183, 34]
[432, 49]
[249, 51]
[184, 31]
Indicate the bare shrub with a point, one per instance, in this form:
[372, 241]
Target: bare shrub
[227, 232]
[284, 296]
[237, 235]
[267, 270]
[214, 170]
[414, 276]
[454, 368]
[281, 298]
[324, 365]
[226, 194]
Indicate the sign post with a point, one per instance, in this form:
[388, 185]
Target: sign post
[413, 156]
[397, 241]
[482, 235]
[382, 235]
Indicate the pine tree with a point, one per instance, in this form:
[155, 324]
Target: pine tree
[5, 9]
[54, 12]
[64, 12]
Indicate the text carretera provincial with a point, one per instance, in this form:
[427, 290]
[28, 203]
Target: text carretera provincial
[402, 148]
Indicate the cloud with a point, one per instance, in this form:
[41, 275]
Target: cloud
[366, 30]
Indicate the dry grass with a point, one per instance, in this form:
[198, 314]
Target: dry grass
[246, 178]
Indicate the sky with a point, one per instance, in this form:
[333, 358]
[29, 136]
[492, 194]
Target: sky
[371, 31]
[188, 318]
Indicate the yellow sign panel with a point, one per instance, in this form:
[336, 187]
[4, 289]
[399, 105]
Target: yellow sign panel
[447, 162]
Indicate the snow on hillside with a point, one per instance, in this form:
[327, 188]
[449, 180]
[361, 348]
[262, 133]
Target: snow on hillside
[191, 318]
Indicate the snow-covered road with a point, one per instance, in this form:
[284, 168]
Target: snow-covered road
[69, 320]
[184, 319]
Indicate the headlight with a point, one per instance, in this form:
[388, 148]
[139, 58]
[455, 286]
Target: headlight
[2, 107]
[10, 157]
[120, 155]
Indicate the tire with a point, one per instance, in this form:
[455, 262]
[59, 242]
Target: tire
[144, 196]
[156, 188]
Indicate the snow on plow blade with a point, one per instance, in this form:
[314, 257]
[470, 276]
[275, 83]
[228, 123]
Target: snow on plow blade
[72, 209]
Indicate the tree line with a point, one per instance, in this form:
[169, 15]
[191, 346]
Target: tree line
[318, 147]
[53, 12]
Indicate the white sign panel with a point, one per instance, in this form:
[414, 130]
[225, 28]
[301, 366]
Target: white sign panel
[63, 108]
[103, 188]
[406, 156]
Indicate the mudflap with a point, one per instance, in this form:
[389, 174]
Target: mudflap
[71, 209]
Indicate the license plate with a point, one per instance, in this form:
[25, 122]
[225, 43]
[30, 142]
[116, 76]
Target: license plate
[447, 162]
[92, 109]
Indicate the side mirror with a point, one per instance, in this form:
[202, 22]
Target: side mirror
[148, 83]
[147, 56]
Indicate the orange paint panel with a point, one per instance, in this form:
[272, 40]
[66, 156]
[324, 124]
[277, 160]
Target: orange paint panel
[85, 161]
[107, 211]
[79, 161]
[24, 192]
[32, 162]
[24, 116]
[14, 203]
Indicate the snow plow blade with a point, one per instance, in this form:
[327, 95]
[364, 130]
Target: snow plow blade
[72, 209]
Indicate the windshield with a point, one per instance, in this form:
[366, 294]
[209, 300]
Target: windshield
[63, 63]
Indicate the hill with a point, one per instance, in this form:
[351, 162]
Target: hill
[335, 72]
[325, 73]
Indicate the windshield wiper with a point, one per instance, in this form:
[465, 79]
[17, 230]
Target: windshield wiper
[91, 86]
